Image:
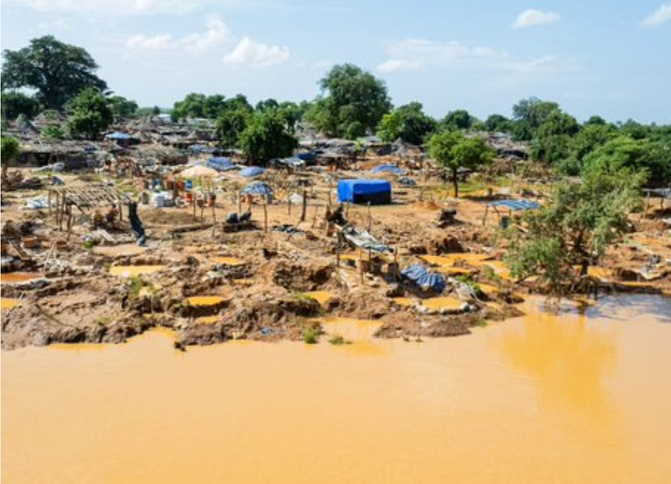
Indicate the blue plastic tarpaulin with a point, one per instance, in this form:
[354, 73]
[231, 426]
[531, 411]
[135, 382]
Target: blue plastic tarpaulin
[118, 135]
[521, 204]
[427, 281]
[257, 188]
[393, 169]
[414, 272]
[357, 191]
[220, 164]
[252, 171]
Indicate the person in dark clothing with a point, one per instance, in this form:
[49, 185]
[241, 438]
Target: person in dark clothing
[136, 223]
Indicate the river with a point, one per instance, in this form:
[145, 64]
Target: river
[565, 398]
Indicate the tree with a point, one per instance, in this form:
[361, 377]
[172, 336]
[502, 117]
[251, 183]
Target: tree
[553, 138]
[452, 150]
[267, 104]
[459, 119]
[267, 136]
[230, 125]
[408, 123]
[148, 111]
[352, 102]
[529, 114]
[17, 103]
[576, 227]
[90, 115]
[10, 150]
[55, 70]
[497, 123]
[122, 107]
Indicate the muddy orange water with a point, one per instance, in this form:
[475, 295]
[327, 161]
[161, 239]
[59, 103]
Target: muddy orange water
[14, 277]
[6, 303]
[540, 399]
[131, 271]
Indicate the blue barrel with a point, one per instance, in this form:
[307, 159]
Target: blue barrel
[189, 184]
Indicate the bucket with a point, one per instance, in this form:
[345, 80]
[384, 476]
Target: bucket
[189, 198]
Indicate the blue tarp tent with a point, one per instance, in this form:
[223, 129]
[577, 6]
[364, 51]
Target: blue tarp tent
[252, 171]
[521, 204]
[427, 281]
[257, 188]
[220, 164]
[364, 191]
[393, 169]
[118, 136]
[414, 272]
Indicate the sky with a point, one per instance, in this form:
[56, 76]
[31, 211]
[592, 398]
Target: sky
[605, 57]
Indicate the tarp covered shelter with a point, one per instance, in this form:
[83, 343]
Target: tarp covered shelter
[221, 164]
[257, 188]
[252, 171]
[387, 168]
[516, 205]
[364, 191]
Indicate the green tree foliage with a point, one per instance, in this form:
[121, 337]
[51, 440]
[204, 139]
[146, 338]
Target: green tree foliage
[197, 105]
[651, 157]
[148, 111]
[497, 123]
[352, 103]
[452, 150]
[10, 150]
[122, 107]
[553, 138]
[267, 136]
[408, 123]
[15, 104]
[266, 104]
[52, 132]
[529, 114]
[578, 224]
[90, 115]
[55, 70]
[231, 124]
[459, 119]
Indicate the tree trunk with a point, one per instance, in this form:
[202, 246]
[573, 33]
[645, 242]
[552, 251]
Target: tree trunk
[455, 183]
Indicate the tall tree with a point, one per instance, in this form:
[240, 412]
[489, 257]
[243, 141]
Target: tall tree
[352, 102]
[90, 115]
[122, 107]
[459, 119]
[529, 114]
[55, 70]
[267, 136]
[230, 125]
[452, 150]
[408, 123]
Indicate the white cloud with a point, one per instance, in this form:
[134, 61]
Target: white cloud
[417, 54]
[251, 53]
[530, 18]
[155, 42]
[216, 33]
[659, 17]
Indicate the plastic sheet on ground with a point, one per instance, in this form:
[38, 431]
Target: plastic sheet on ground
[363, 240]
[37, 203]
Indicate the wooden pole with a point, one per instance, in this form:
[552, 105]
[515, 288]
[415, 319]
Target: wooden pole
[193, 202]
[265, 216]
[239, 203]
[289, 206]
[370, 219]
[305, 205]
[49, 199]
[338, 250]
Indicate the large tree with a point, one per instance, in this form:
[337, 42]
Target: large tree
[529, 114]
[452, 150]
[55, 70]
[122, 107]
[408, 123]
[267, 136]
[576, 226]
[459, 119]
[90, 115]
[230, 125]
[352, 102]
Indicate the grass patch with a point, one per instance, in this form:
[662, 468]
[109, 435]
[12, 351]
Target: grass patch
[466, 279]
[135, 285]
[310, 336]
[481, 323]
[338, 340]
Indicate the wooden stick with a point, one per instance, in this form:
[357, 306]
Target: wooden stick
[265, 216]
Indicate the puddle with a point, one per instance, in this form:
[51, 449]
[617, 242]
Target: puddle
[443, 304]
[8, 303]
[405, 301]
[207, 320]
[349, 328]
[450, 259]
[205, 300]
[16, 277]
[322, 297]
[119, 250]
[453, 271]
[229, 261]
[131, 271]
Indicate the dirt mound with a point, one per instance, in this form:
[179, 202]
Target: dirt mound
[298, 277]
[167, 216]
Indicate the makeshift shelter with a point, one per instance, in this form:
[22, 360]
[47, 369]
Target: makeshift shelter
[199, 172]
[252, 171]
[393, 169]
[512, 206]
[427, 281]
[221, 164]
[257, 188]
[364, 191]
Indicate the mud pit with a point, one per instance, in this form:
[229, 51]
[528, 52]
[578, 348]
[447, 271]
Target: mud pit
[211, 286]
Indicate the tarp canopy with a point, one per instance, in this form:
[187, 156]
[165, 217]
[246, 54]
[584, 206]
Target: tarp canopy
[363, 240]
[393, 169]
[427, 281]
[199, 172]
[414, 272]
[363, 191]
[252, 171]
[257, 188]
[521, 204]
[221, 164]
[118, 135]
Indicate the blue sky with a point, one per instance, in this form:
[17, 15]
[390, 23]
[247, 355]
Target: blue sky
[599, 57]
